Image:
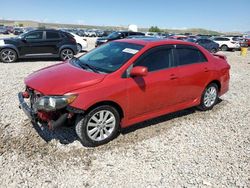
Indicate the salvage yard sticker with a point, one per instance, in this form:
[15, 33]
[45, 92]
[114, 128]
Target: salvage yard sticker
[1, 42]
[129, 50]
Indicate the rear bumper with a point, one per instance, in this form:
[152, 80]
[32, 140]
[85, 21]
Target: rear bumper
[25, 107]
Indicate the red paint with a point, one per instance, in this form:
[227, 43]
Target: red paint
[141, 98]
[139, 71]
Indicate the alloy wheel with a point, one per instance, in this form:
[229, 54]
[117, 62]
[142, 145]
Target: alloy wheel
[210, 96]
[67, 54]
[8, 55]
[101, 125]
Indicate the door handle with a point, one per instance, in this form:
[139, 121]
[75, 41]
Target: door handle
[206, 69]
[173, 77]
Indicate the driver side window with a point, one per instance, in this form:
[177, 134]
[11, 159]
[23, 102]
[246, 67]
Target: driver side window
[158, 59]
[34, 36]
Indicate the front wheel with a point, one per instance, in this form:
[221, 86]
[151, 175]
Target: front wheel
[209, 97]
[66, 54]
[98, 126]
[8, 55]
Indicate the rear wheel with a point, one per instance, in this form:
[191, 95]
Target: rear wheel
[209, 97]
[98, 126]
[79, 48]
[8, 55]
[213, 50]
[66, 54]
[224, 47]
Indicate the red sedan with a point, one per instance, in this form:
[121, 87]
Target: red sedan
[122, 83]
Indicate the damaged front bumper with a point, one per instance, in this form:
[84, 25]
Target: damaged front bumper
[53, 119]
[25, 107]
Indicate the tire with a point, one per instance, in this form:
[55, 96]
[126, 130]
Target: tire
[213, 50]
[89, 127]
[8, 55]
[209, 97]
[66, 54]
[79, 47]
[224, 47]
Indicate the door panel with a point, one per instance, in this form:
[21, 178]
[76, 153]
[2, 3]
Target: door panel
[193, 70]
[192, 79]
[153, 92]
[53, 39]
[156, 90]
[33, 43]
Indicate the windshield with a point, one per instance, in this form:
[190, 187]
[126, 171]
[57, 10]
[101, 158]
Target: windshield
[22, 35]
[109, 57]
[114, 35]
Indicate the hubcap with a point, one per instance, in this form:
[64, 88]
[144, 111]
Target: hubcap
[210, 96]
[8, 56]
[101, 125]
[67, 54]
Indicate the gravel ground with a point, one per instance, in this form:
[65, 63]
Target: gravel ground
[185, 149]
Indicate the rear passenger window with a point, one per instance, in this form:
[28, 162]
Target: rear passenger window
[188, 56]
[156, 60]
[52, 35]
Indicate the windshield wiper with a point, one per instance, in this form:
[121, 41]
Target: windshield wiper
[89, 66]
[85, 65]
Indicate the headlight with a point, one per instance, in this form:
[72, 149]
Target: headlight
[52, 103]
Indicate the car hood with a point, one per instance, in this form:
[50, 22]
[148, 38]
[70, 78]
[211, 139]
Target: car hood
[9, 40]
[61, 78]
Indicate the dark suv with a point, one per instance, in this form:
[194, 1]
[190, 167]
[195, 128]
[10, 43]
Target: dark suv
[38, 43]
[116, 35]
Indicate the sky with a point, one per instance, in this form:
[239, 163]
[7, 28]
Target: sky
[219, 15]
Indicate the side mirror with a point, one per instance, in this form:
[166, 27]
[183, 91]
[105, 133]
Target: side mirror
[139, 71]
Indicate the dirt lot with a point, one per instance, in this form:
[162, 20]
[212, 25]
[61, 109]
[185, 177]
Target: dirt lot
[185, 149]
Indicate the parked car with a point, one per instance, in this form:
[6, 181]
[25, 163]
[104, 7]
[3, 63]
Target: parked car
[18, 31]
[3, 30]
[80, 42]
[107, 33]
[91, 33]
[37, 44]
[242, 41]
[248, 40]
[81, 33]
[124, 82]
[10, 29]
[27, 29]
[141, 37]
[227, 43]
[116, 35]
[178, 37]
[208, 44]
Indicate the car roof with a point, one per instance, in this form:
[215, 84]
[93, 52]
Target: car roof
[154, 41]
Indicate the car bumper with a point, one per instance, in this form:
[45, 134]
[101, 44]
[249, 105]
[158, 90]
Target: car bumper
[25, 107]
